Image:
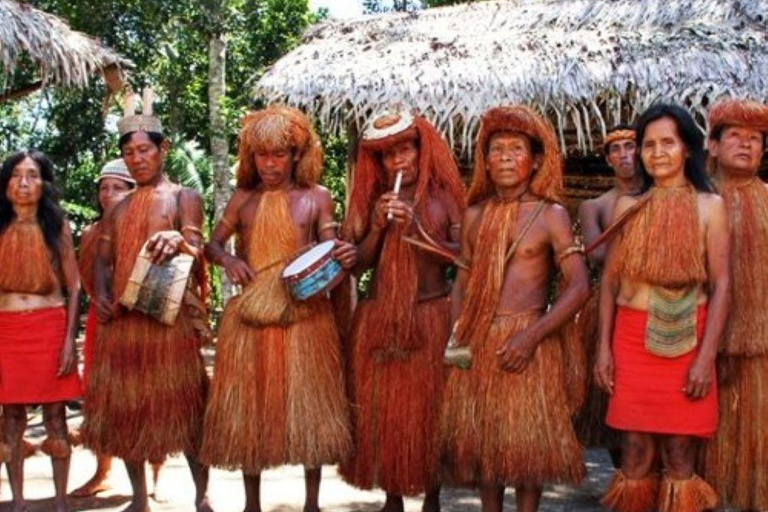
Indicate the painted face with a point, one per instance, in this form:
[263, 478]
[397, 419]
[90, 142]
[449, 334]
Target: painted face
[111, 192]
[26, 184]
[403, 156]
[663, 150]
[143, 158]
[275, 166]
[510, 160]
[621, 158]
[738, 151]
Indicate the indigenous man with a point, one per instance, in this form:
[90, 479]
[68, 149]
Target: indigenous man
[595, 214]
[278, 390]
[594, 217]
[663, 306]
[114, 183]
[737, 459]
[146, 387]
[507, 419]
[400, 330]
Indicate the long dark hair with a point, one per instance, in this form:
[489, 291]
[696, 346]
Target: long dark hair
[50, 215]
[695, 169]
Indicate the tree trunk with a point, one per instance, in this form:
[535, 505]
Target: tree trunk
[217, 83]
[217, 51]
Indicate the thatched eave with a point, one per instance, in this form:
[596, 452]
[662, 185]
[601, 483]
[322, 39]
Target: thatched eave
[61, 55]
[587, 64]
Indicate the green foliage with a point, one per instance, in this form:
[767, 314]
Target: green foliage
[168, 42]
[380, 6]
[335, 170]
[188, 165]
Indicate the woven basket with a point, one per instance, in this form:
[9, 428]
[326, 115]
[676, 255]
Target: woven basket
[158, 290]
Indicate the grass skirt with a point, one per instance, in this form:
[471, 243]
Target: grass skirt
[502, 428]
[589, 423]
[146, 389]
[736, 461]
[396, 402]
[277, 395]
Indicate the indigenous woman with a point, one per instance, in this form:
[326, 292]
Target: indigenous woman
[663, 309]
[114, 184]
[38, 322]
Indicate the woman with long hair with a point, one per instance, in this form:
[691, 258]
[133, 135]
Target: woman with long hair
[663, 307]
[39, 289]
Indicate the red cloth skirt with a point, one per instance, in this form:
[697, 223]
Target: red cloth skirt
[30, 347]
[648, 391]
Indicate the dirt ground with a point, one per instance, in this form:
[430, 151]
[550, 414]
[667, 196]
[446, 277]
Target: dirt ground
[282, 489]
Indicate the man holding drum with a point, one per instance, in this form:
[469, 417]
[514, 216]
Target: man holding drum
[146, 388]
[399, 332]
[278, 391]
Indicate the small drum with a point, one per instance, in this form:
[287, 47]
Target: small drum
[312, 272]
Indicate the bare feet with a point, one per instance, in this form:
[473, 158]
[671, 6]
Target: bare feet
[92, 487]
[137, 506]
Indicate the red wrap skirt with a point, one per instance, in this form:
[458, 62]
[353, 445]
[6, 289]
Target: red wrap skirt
[648, 394]
[30, 348]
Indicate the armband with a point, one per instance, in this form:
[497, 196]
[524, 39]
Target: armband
[568, 251]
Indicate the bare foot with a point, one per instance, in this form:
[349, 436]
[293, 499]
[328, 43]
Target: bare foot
[137, 506]
[204, 506]
[92, 487]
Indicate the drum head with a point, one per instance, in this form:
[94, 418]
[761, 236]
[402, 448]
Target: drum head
[308, 258]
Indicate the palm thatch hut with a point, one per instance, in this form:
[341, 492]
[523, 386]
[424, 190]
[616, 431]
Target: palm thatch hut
[586, 64]
[31, 39]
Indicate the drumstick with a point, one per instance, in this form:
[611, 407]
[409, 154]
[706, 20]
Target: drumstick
[396, 189]
[282, 261]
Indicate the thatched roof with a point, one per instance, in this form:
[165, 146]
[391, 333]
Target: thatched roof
[587, 63]
[61, 55]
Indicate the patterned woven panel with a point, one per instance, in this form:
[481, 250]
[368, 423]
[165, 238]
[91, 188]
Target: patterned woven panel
[671, 328]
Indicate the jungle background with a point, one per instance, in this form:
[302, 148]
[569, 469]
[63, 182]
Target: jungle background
[202, 58]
